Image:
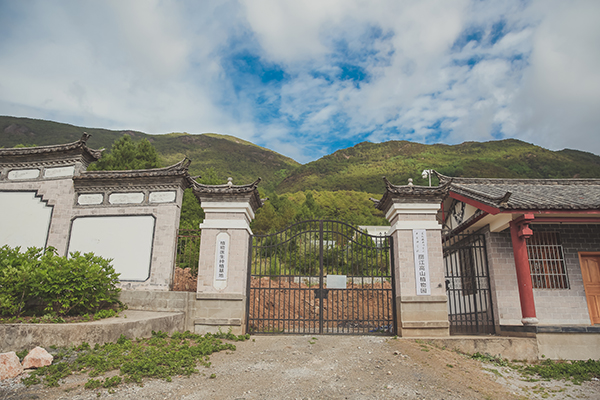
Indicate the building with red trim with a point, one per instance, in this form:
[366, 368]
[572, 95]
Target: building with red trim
[542, 245]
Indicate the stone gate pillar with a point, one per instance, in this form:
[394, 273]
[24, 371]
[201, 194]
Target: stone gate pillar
[421, 300]
[223, 265]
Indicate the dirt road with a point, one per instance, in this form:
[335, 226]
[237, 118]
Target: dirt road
[326, 367]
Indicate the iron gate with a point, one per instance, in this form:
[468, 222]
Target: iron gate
[188, 249]
[468, 285]
[321, 276]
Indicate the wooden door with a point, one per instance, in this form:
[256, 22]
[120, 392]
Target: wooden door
[590, 270]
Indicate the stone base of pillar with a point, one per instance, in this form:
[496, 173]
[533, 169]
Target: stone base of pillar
[422, 316]
[529, 321]
[220, 311]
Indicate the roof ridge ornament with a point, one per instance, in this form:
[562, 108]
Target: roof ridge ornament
[504, 200]
[84, 138]
[182, 165]
[388, 184]
[442, 178]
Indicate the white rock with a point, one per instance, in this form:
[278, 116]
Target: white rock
[10, 367]
[37, 358]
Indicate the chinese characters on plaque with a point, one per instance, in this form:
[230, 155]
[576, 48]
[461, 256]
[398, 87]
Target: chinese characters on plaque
[222, 253]
[421, 262]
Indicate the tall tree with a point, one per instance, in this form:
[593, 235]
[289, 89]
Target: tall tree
[126, 154]
[309, 209]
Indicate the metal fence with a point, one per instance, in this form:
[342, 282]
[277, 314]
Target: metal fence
[470, 308]
[188, 249]
[323, 277]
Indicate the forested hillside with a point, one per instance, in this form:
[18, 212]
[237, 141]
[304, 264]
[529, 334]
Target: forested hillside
[337, 186]
[221, 156]
[362, 166]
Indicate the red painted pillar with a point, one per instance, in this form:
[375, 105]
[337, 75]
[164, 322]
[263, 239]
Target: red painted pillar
[519, 231]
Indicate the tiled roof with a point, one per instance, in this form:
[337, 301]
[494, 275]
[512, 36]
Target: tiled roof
[43, 152]
[422, 193]
[528, 194]
[249, 191]
[174, 176]
[228, 187]
[179, 169]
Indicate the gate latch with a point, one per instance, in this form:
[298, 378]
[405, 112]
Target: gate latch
[321, 293]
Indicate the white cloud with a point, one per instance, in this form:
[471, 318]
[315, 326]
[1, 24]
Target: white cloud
[125, 62]
[167, 66]
[559, 100]
[291, 31]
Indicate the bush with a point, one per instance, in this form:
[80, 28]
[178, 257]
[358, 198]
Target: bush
[16, 271]
[40, 282]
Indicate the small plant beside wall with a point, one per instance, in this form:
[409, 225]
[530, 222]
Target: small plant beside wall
[37, 283]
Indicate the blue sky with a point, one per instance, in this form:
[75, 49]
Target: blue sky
[307, 78]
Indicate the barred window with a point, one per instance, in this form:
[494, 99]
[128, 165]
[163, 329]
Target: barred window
[546, 261]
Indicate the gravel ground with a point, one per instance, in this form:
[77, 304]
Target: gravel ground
[326, 367]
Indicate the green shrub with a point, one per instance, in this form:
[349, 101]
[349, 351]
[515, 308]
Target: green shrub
[42, 283]
[112, 382]
[92, 384]
[16, 270]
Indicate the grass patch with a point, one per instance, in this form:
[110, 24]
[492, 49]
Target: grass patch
[159, 356]
[574, 371]
[498, 361]
[494, 371]
[424, 347]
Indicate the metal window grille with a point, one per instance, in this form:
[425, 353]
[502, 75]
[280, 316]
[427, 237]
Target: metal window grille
[546, 261]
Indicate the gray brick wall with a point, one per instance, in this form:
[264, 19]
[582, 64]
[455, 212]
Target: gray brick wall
[553, 306]
[503, 278]
[559, 306]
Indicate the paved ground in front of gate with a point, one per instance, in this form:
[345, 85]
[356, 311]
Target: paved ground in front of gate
[328, 367]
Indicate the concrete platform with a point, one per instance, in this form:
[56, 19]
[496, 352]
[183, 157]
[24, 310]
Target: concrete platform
[512, 348]
[131, 323]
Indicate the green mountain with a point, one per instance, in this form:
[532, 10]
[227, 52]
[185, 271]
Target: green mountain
[359, 168]
[362, 166]
[227, 156]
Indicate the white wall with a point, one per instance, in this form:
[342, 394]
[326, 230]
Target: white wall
[24, 220]
[125, 239]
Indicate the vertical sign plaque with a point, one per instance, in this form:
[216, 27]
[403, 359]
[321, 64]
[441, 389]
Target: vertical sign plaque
[421, 262]
[221, 262]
